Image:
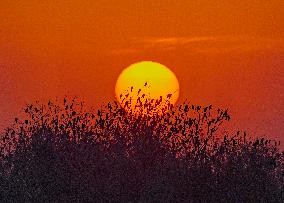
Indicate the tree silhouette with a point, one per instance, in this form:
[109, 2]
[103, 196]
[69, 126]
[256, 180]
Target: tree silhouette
[64, 152]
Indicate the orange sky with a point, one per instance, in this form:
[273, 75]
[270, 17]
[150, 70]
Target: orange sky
[227, 53]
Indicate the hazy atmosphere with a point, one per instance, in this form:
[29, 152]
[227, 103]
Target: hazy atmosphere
[231, 53]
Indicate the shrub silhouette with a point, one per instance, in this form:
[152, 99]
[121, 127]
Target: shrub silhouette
[64, 152]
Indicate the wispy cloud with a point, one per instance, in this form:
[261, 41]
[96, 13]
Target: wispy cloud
[201, 44]
[174, 40]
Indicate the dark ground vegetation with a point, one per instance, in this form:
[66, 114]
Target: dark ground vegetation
[64, 153]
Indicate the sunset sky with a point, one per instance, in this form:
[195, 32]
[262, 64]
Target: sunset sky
[227, 53]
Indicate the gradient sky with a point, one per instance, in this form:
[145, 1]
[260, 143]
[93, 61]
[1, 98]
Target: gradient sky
[227, 53]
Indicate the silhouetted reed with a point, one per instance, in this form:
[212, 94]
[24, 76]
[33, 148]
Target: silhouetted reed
[64, 152]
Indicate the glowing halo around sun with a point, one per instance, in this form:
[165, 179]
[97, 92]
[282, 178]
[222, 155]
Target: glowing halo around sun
[152, 78]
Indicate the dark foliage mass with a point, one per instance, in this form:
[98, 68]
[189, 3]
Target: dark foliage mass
[65, 153]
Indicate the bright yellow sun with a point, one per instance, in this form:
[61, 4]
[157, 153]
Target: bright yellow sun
[152, 78]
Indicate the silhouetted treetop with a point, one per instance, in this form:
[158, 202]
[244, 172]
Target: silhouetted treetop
[64, 151]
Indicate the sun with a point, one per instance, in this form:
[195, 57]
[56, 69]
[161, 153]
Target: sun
[153, 79]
